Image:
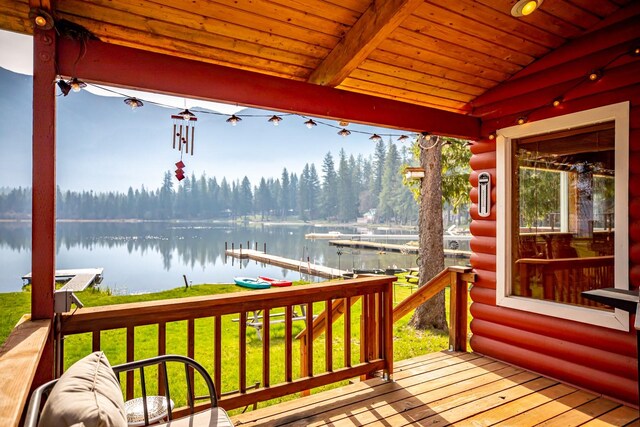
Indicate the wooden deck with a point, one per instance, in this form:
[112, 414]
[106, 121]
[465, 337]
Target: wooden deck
[462, 389]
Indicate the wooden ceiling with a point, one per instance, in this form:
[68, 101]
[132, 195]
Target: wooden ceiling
[435, 53]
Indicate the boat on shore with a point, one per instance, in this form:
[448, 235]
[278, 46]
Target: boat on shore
[276, 282]
[251, 283]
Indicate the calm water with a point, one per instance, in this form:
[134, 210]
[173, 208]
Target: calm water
[147, 257]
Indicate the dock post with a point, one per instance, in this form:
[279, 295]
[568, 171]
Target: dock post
[265, 247]
[256, 245]
[240, 251]
[225, 246]
[248, 245]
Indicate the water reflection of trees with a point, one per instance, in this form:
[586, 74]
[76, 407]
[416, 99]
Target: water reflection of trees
[193, 244]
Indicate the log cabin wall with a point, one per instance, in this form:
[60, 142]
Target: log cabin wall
[595, 358]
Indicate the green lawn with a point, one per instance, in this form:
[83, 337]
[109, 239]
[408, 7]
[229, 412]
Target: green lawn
[407, 341]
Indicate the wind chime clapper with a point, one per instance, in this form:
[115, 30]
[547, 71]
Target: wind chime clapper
[184, 129]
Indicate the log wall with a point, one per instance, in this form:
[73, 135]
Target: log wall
[595, 358]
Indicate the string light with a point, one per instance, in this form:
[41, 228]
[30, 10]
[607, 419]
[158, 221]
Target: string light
[375, 138]
[595, 75]
[310, 123]
[133, 103]
[522, 120]
[402, 138]
[492, 136]
[343, 132]
[65, 88]
[234, 120]
[186, 115]
[556, 102]
[77, 85]
[275, 120]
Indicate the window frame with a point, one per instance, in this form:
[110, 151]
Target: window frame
[619, 114]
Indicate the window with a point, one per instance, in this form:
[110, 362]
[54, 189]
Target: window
[562, 214]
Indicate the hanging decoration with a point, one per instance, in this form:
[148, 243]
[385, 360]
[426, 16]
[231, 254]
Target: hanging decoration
[184, 131]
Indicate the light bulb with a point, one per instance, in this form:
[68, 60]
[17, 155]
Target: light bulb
[310, 123]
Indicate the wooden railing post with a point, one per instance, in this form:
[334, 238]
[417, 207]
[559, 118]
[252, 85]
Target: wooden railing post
[458, 311]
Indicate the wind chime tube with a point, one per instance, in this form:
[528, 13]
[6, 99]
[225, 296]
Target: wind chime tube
[186, 140]
[174, 135]
[193, 132]
[180, 138]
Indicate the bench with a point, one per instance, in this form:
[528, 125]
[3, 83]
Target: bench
[256, 322]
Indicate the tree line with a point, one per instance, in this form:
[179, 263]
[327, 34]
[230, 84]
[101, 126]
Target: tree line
[345, 188]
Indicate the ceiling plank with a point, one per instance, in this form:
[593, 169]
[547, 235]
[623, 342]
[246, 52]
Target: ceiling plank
[375, 24]
[120, 66]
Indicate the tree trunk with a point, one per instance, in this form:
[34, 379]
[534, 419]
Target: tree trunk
[431, 314]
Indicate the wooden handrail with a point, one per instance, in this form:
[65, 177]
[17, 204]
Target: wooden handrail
[19, 358]
[333, 294]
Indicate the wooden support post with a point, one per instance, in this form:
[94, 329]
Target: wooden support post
[44, 190]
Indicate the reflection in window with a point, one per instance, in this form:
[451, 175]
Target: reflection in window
[563, 232]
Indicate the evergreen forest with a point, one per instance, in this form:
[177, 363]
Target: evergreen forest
[342, 189]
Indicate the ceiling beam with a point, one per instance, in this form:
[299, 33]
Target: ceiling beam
[127, 67]
[375, 25]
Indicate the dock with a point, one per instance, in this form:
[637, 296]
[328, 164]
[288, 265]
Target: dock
[76, 280]
[303, 267]
[391, 247]
[360, 236]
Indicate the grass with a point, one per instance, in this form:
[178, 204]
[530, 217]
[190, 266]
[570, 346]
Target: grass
[407, 341]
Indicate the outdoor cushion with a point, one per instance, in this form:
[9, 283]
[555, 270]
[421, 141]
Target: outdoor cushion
[213, 417]
[87, 394]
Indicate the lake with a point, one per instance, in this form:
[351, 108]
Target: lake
[151, 256]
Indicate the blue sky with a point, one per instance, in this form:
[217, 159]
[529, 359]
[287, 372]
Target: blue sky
[104, 145]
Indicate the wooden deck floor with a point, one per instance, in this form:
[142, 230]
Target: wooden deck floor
[462, 389]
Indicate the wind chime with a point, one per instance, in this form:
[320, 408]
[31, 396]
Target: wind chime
[184, 130]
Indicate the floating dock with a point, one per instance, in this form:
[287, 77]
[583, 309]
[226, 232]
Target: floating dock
[360, 236]
[77, 280]
[303, 267]
[390, 247]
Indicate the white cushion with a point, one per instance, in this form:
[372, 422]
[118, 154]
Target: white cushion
[87, 394]
[213, 417]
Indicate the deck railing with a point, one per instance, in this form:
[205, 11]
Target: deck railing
[374, 336]
[457, 278]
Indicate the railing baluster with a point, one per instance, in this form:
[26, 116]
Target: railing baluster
[162, 350]
[95, 341]
[379, 329]
[388, 330]
[217, 354]
[347, 332]
[288, 347]
[130, 358]
[243, 353]
[328, 347]
[309, 354]
[266, 332]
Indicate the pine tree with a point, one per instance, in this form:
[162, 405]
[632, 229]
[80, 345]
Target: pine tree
[329, 196]
[285, 196]
[391, 184]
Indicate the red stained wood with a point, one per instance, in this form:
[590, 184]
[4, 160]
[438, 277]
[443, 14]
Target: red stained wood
[486, 160]
[217, 354]
[266, 340]
[604, 360]
[483, 261]
[95, 341]
[130, 358]
[347, 332]
[483, 244]
[288, 336]
[591, 378]
[108, 63]
[485, 279]
[481, 227]
[482, 295]
[328, 349]
[575, 332]
[43, 229]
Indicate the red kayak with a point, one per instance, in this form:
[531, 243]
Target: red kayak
[276, 282]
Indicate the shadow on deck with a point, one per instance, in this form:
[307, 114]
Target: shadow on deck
[448, 388]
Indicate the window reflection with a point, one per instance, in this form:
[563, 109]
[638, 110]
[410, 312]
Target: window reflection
[563, 230]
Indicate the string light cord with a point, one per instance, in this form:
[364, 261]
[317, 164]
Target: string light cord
[215, 113]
